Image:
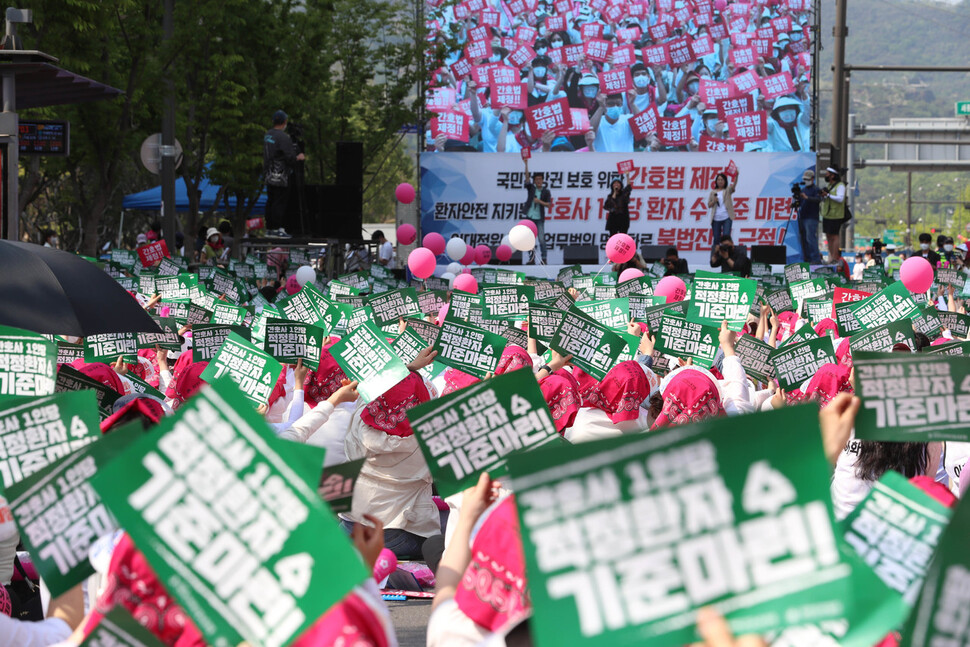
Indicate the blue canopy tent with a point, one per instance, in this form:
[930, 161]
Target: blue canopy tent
[151, 199]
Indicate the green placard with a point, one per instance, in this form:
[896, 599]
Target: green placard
[509, 302]
[810, 289]
[798, 362]
[954, 348]
[461, 304]
[391, 306]
[760, 269]
[753, 355]
[779, 300]
[894, 530]
[476, 429]
[939, 617]
[308, 305]
[889, 304]
[337, 485]
[60, 515]
[546, 290]
[640, 304]
[365, 356]
[797, 272]
[468, 348]
[337, 289]
[653, 315]
[139, 385]
[409, 345]
[258, 329]
[642, 285]
[227, 314]
[124, 257]
[612, 313]
[428, 331]
[177, 308]
[595, 347]
[274, 536]
[683, 338]
[956, 323]
[882, 338]
[544, 322]
[818, 309]
[291, 341]
[207, 339]
[912, 397]
[69, 379]
[108, 347]
[68, 352]
[926, 321]
[716, 298]
[167, 339]
[601, 522]
[118, 629]
[359, 279]
[432, 301]
[178, 286]
[252, 370]
[804, 333]
[845, 321]
[35, 432]
[566, 274]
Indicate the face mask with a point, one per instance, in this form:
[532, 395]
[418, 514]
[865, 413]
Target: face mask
[543, 31]
[495, 58]
[515, 118]
[796, 36]
[946, 248]
[787, 116]
[641, 81]
[539, 71]
[710, 124]
[924, 246]
[613, 112]
[590, 91]
[556, 43]
[692, 87]
[541, 51]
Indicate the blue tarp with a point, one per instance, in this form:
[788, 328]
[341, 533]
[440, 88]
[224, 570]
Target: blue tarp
[151, 199]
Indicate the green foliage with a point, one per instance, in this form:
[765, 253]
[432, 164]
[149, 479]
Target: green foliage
[346, 70]
[901, 32]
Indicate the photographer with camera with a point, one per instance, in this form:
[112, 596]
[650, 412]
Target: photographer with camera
[833, 212]
[673, 263]
[807, 199]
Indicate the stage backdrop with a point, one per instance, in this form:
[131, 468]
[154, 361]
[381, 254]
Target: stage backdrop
[479, 197]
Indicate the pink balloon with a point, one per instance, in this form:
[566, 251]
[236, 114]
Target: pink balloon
[442, 313]
[671, 287]
[916, 274]
[503, 253]
[466, 283]
[483, 254]
[435, 242]
[630, 273]
[469, 256]
[531, 225]
[404, 193]
[620, 248]
[406, 234]
[421, 262]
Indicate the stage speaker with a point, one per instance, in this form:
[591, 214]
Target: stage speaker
[340, 212]
[350, 164]
[652, 253]
[771, 254]
[582, 254]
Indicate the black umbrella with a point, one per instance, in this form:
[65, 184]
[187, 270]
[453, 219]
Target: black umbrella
[50, 291]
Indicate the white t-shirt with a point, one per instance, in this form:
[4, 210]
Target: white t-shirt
[448, 626]
[386, 253]
[18, 633]
[614, 138]
[721, 212]
[848, 490]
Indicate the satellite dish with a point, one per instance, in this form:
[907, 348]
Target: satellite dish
[151, 153]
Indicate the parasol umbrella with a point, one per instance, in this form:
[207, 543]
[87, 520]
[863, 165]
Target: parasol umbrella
[50, 291]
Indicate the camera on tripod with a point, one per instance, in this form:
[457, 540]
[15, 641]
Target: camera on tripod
[796, 196]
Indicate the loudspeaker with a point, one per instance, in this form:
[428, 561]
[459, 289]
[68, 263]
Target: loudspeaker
[339, 213]
[350, 164]
[651, 253]
[582, 254]
[771, 254]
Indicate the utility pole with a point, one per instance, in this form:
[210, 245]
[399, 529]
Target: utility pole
[167, 148]
[839, 86]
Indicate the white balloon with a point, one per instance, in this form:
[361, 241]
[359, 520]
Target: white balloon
[448, 276]
[505, 241]
[456, 249]
[522, 238]
[305, 275]
[454, 268]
